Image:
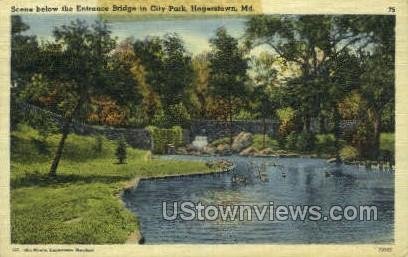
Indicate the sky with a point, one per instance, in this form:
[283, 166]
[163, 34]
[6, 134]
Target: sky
[195, 31]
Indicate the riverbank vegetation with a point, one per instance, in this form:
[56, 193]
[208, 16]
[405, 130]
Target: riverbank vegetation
[319, 145]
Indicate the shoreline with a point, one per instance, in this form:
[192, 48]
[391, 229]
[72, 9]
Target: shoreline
[369, 164]
[136, 237]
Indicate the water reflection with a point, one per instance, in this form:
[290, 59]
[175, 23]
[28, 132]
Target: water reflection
[299, 181]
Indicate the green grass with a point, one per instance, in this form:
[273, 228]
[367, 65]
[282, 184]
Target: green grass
[387, 142]
[81, 204]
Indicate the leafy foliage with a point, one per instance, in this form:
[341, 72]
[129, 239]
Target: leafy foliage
[348, 153]
[162, 138]
[168, 66]
[312, 69]
[228, 68]
[121, 152]
[269, 142]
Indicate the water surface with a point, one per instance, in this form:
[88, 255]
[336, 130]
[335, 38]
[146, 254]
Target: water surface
[301, 181]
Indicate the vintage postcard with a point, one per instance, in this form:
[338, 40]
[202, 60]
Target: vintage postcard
[204, 128]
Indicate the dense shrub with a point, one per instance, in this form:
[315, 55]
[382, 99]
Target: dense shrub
[41, 122]
[305, 142]
[291, 140]
[174, 115]
[287, 118]
[121, 153]
[325, 144]
[139, 119]
[178, 115]
[161, 138]
[160, 119]
[362, 139]
[221, 141]
[269, 142]
[348, 153]
[301, 142]
[387, 146]
[387, 142]
[244, 115]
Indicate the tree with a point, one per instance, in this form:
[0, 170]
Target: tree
[378, 73]
[167, 66]
[78, 69]
[106, 111]
[24, 53]
[200, 83]
[124, 87]
[121, 152]
[142, 113]
[378, 90]
[24, 60]
[265, 90]
[318, 45]
[228, 72]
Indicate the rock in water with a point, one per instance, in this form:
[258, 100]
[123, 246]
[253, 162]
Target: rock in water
[332, 160]
[241, 141]
[248, 151]
[209, 150]
[267, 151]
[222, 149]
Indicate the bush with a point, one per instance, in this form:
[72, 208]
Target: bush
[302, 142]
[387, 142]
[305, 142]
[387, 146]
[286, 121]
[291, 140]
[269, 142]
[325, 144]
[160, 119]
[348, 153]
[221, 141]
[174, 115]
[179, 115]
[362, 139]
[244, 115]
[121, 152]
[161, 138]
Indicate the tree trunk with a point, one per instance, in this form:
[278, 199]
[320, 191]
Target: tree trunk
[306, 123]
[377, 131]
[322, 125]
[336, 118]
[58, 153]
[264, 132]
[230, 122]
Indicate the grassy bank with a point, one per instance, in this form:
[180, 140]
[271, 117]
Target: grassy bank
[81, 204]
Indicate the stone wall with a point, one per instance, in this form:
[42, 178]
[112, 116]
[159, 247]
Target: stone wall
[214, 129]
[138, 138]
[135, 137]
